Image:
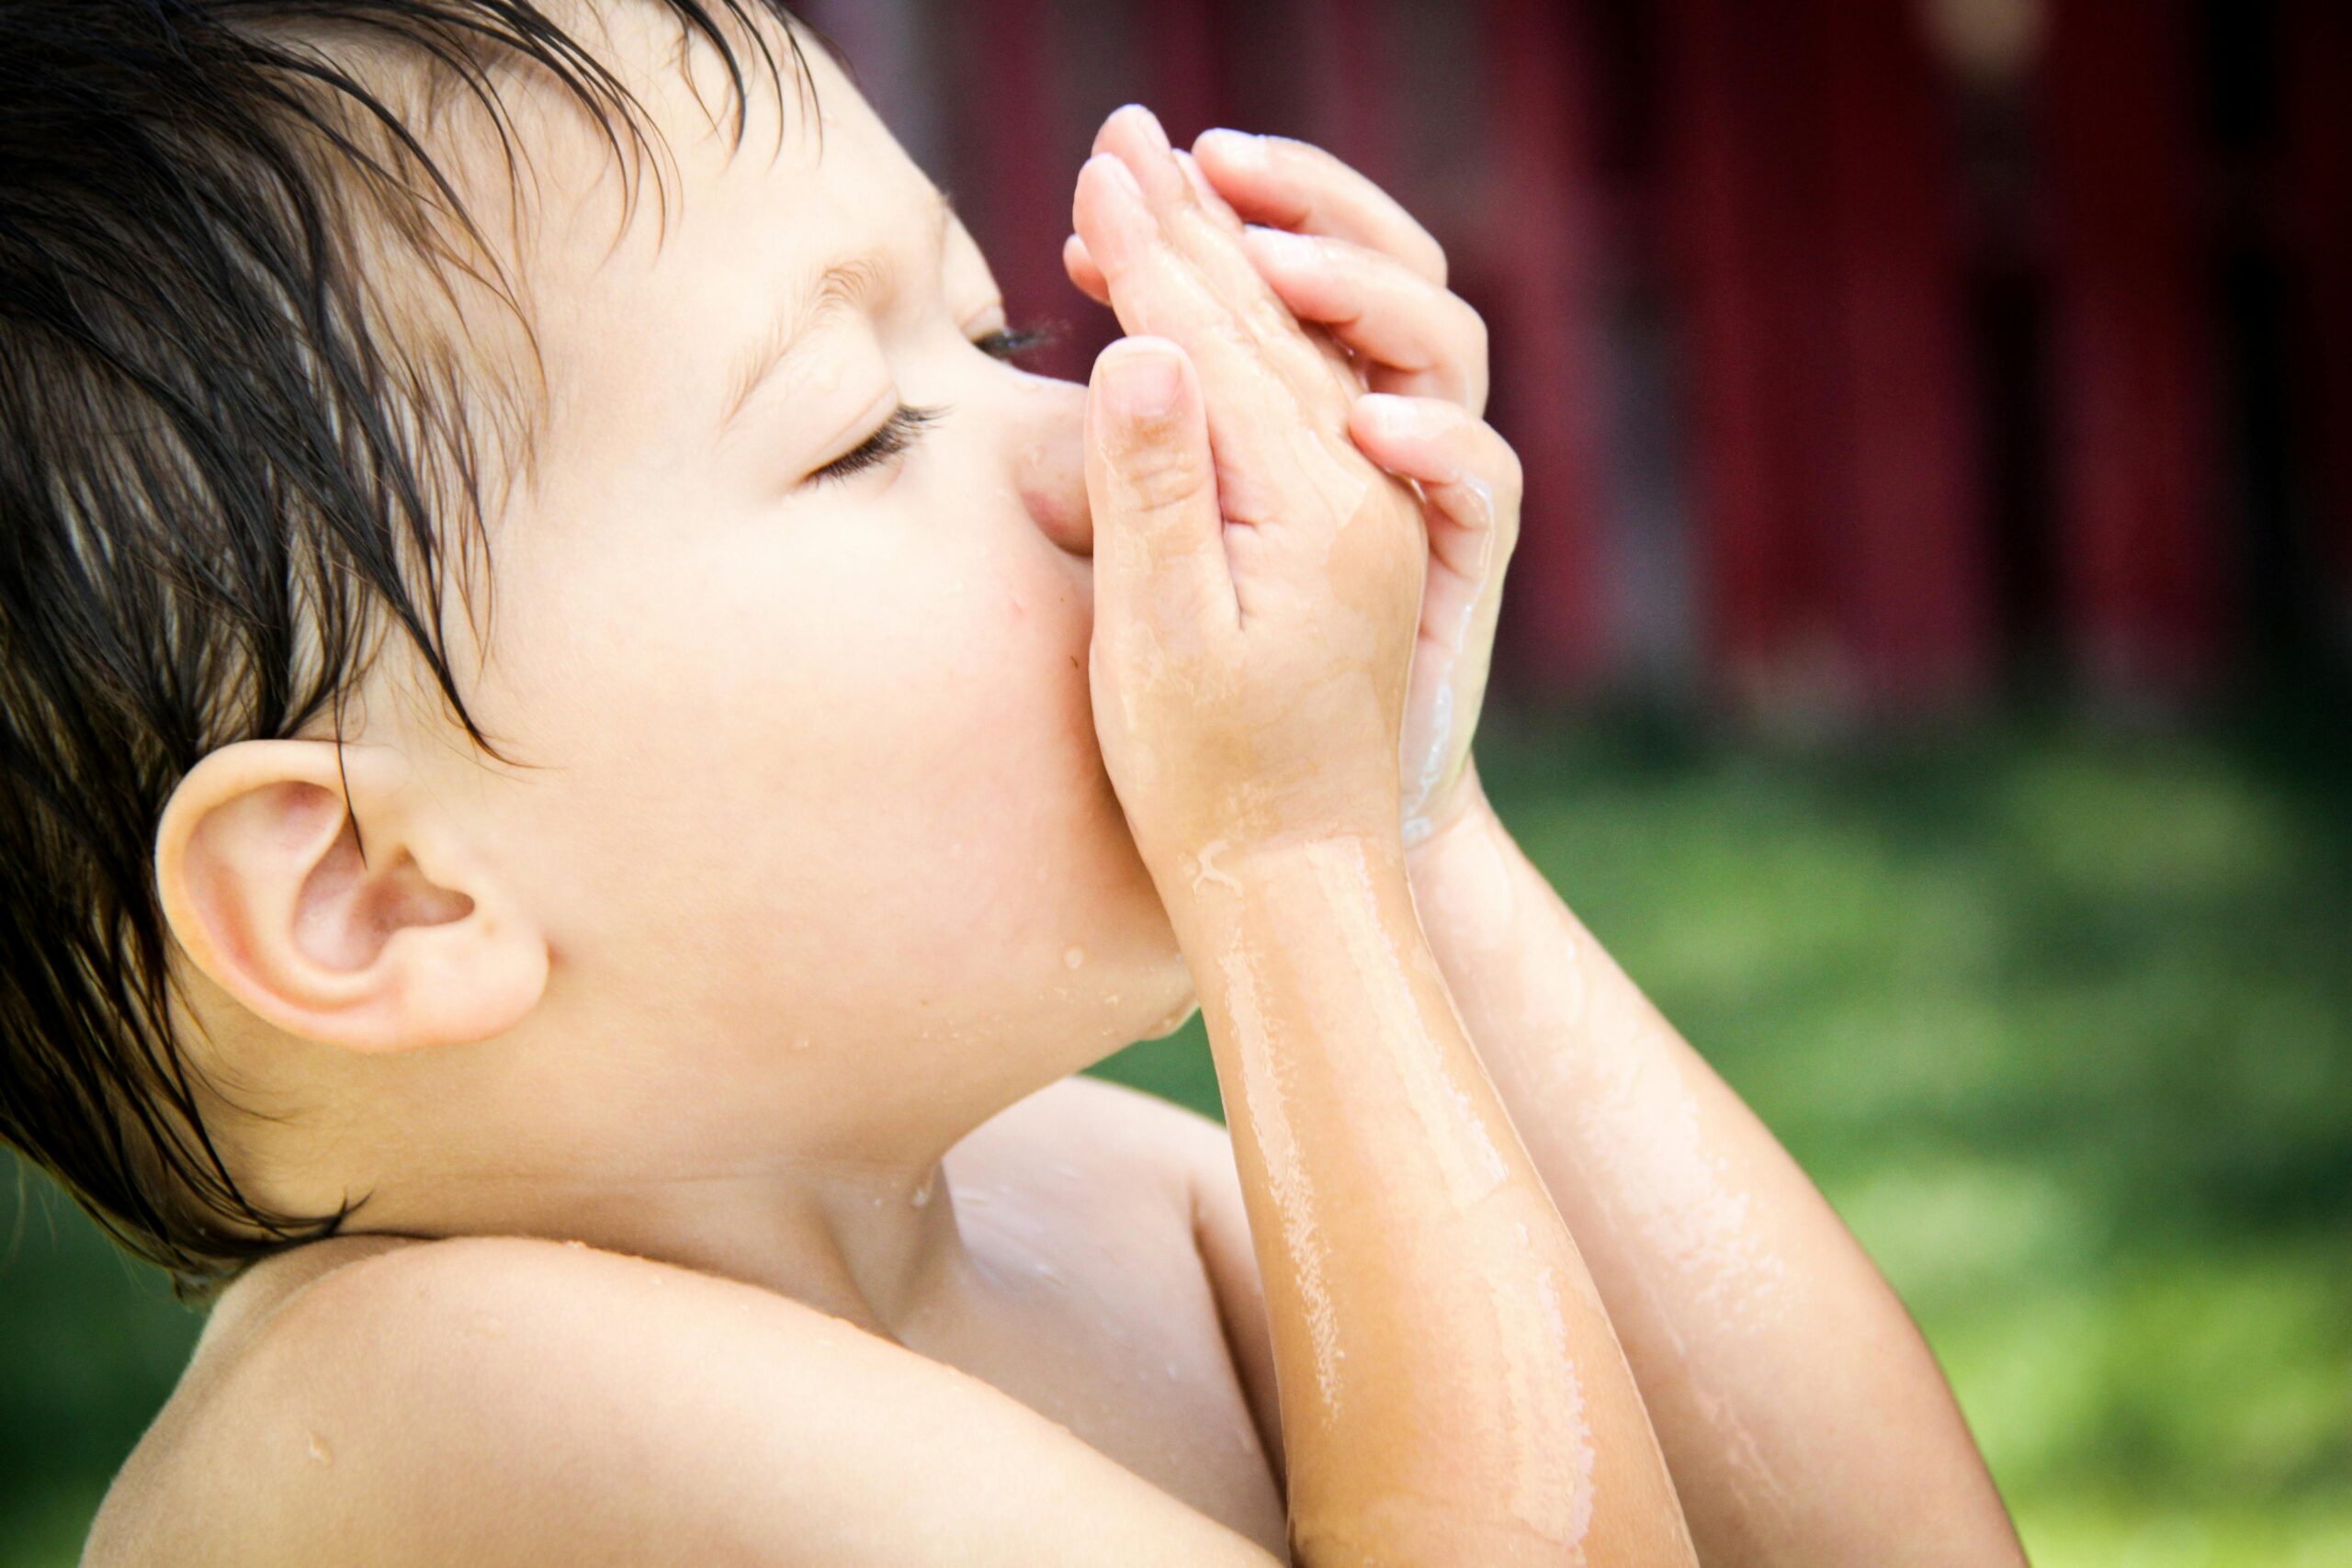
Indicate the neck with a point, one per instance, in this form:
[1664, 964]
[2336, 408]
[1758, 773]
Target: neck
[853, 1218]
[865, 1240]
[853, 1221]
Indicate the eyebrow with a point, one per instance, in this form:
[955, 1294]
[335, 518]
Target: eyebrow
[852, 284]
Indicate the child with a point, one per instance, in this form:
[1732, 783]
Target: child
[614, 1041]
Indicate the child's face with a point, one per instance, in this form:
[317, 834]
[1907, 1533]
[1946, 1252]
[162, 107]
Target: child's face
[817, 755]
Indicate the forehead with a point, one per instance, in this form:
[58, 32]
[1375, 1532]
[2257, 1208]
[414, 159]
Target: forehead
[712, 161]
[627, 264]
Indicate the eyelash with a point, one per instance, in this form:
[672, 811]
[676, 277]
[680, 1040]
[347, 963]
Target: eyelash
[894, 435]
[906, 425]
[1008, 342]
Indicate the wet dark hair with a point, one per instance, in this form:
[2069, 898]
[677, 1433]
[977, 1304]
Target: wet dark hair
[224, 479]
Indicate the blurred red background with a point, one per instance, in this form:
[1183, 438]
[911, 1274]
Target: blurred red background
[1869, 357]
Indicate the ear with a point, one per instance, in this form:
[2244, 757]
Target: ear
[262, 879]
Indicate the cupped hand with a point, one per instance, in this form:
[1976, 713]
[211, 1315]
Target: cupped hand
[1342, 255]
[1258, 577]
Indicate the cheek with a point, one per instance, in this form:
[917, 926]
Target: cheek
[950, 679]
[989, 847]
[998, 717]
[901, 737]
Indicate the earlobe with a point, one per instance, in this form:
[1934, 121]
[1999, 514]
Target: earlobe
[266, 888]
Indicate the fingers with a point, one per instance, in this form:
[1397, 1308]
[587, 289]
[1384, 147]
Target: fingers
[1419, 340]
[1212, 250]
[1155, 293]
[1089, 278]
[1470, 483]
[1174, 271]
[1471, 479]
[1208, 195]
[1160, 561]
[1359, 267]
[1294, 185]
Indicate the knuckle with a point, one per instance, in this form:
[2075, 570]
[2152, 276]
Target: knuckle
[1161, 477]
[1496, 464]
[1511, 476]
[1262, 317]
[1178, 598]
[1476, 336]
[1231, 331]
[1432, 257]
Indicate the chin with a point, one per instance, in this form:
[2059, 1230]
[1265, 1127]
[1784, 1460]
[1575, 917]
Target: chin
[1172, 1005]
[1175, 1021]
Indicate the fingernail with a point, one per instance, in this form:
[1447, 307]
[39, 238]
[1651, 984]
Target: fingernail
[1115, 170]
[1390, 414]
[1126, 178]
[1394, 417]
[1199, 180]
[1142, 382]
[1154, 129]
[1239, 148]
[1281, 246]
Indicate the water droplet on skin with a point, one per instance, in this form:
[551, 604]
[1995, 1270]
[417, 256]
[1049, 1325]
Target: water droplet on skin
[1048, 1273]
[1173, 1022]
[1207, 869]
[921, 1196]
[1175, 1373]
[319, 1450]
[581, 1245]
[800, 1042]
[1072, 957]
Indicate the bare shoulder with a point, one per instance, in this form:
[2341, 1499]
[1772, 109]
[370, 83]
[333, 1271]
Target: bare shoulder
[1125, 1145]
[1106, 1126]
[487, 1401]
[315, 1391]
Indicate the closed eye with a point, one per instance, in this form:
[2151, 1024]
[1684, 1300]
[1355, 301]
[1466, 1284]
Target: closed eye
[906, 423]
[894, 435]
[1011, 342]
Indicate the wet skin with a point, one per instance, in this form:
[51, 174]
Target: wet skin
[839, 1303]
[1754, 1322]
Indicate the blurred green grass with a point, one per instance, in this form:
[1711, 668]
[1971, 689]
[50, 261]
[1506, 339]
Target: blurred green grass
[2061, 1019]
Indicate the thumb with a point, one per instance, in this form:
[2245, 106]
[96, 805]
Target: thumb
[1151, 484]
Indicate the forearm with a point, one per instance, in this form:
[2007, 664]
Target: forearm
[1803, 1417]
[1452, 1390]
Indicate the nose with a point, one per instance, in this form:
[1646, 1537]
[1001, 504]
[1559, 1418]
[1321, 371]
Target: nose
[1050, 457]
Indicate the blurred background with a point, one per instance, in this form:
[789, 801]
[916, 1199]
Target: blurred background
[1927, 663]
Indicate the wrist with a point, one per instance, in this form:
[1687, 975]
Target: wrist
[1466, 816]
[1223, 882]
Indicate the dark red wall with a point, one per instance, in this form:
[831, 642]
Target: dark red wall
[1856, 362]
